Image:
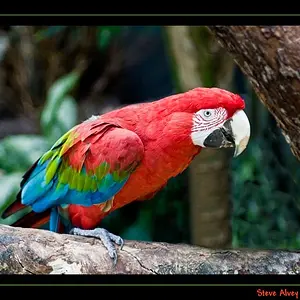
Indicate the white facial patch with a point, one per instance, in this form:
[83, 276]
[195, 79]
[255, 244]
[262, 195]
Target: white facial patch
[205, 121]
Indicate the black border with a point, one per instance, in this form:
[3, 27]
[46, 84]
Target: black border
[163, 20]
[144, 7]
[151, 292]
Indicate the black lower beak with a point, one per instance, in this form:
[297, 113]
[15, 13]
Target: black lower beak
[221, 137]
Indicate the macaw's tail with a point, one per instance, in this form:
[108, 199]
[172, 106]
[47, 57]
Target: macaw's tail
[18, 215]
[14, 213]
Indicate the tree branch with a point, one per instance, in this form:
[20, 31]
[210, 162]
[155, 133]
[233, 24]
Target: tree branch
[34, 251]
[269, 56]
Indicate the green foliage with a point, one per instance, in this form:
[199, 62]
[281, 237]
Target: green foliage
[105, 34]
[19, 152]
[60, 112]
[263, 215]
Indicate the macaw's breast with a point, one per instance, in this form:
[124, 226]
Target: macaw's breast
[152, 175]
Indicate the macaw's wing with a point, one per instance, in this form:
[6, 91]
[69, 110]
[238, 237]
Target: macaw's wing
[86, 166]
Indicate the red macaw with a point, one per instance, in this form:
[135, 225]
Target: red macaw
[125, 155]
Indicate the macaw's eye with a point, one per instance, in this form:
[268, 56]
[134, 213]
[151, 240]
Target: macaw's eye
[207, 114]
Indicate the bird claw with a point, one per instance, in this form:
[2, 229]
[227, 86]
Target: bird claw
[105, 236]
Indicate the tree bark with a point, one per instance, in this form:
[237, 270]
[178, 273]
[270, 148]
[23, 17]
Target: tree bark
[200, 61]
[36, 251]
[269, 57]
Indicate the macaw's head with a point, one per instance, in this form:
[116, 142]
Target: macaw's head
[218, 119]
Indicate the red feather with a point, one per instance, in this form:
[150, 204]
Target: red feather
[31, 220]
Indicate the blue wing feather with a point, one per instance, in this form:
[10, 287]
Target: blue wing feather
[41, 196]
[54, 220]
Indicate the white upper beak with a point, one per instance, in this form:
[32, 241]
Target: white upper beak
[240, 126]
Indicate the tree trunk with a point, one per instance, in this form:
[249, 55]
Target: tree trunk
[36, 251]
[269, 57]
[200, 61]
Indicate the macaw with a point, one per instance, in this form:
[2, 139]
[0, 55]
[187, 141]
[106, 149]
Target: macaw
[126, 155]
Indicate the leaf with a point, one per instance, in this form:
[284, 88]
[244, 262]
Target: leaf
[19, 152]
[9, 186]
[66, 118]
[68, 113]
[105, 34]
[247, 171]
[56, 95]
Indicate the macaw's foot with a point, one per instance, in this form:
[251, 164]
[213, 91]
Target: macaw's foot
[108, 239]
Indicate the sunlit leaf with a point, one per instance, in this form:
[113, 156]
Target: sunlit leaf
[9, 186]
[19, 152]
[56, 95]
[67, 113]
[66, 118]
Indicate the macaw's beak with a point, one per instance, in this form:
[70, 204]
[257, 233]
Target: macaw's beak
[235, 132]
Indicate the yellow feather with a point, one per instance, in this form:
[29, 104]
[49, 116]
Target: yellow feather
[51, 169]
[108, 205]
